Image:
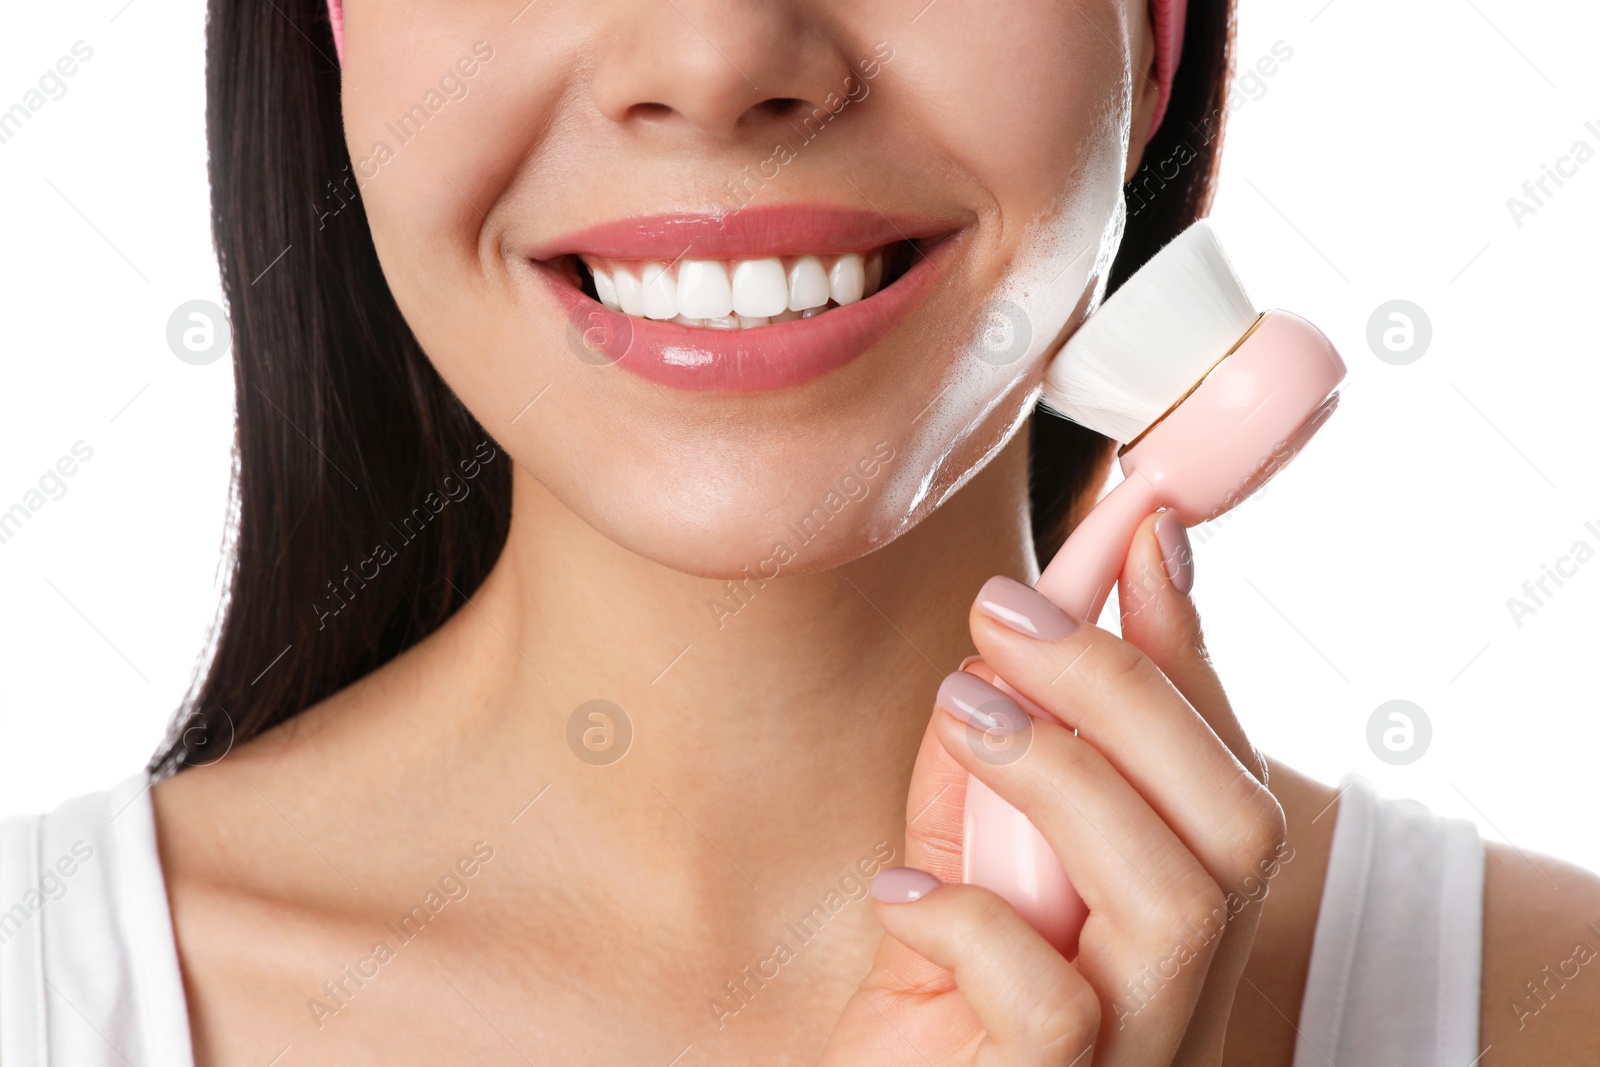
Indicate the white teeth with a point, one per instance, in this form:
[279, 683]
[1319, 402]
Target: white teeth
[743, 294]
[808, 284]
[760, 288]
[737, 322]
[660, 292]
[629, 295]
[847, 281]
[704, 291]
[606, 289]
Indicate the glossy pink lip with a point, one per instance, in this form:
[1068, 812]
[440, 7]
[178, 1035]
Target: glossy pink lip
[740, 361]
[777, 230]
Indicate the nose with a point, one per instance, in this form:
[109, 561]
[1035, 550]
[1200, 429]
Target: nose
[724, 69]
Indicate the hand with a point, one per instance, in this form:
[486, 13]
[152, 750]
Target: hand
[1158, 808]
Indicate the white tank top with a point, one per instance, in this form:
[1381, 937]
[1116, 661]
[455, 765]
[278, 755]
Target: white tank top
[1397, 956]
[89, 971]
[88, 966]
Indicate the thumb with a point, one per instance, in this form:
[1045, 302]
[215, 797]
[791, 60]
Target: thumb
[935, 807]
[1159, 618]
[936, 802]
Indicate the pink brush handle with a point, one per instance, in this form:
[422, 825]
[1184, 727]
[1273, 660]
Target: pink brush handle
[1003, 851]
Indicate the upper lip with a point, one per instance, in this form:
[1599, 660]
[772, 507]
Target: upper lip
[746, 233]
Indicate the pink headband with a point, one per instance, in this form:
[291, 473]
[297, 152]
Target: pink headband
[1167, 18]
[336, 16]
[1166, 15]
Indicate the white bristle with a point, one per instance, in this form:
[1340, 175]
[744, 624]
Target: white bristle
[1153, 339]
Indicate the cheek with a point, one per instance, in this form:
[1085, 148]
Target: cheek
[437, 122]
[439, 103]
[1024, 103]
[1044, 130]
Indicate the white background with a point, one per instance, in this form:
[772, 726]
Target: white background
[1375, 164]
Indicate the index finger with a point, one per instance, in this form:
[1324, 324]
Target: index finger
[1120, 702]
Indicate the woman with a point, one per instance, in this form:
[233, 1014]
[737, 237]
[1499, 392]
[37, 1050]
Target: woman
[577, 669]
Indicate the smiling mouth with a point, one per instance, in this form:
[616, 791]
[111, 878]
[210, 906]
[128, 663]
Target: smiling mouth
[739, 294]
[767, 297]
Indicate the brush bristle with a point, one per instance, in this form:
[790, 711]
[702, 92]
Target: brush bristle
[1153, 339]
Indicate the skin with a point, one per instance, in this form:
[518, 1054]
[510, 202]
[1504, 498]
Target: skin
[778, 756]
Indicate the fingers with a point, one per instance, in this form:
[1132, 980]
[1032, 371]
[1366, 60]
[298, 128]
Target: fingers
[1153, 908]
[1126, 708]
[1159, 618]
[1032, 1003]
[1155, 804]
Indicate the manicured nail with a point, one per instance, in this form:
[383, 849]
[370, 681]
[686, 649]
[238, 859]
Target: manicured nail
[902, 885]
[964, 664]
[1023, 609]
[1175, 551]
[979, 704]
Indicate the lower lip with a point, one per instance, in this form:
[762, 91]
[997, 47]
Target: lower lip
[740, 361]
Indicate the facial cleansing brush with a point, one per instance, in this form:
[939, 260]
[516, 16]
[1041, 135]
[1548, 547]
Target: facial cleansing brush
[1212, 398]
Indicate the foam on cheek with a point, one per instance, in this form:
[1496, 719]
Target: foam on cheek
[1070, 245]
[1065, 253]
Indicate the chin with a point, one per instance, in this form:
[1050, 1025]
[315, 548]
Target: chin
[779, 504]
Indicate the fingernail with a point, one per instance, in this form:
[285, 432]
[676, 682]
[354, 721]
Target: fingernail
[979, 704]
[1175, 550]
[902, 885]
[1023, 609]
[964, 664]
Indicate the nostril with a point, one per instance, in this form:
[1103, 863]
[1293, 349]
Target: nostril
[650, 110]
[780, 107]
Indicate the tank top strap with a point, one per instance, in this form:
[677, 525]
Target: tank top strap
[89, 970]
[1396, 958]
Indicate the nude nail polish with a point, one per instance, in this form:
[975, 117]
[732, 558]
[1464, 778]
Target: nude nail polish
[1023, 609]
[979, 704]
[902, 885]
[1176, 553]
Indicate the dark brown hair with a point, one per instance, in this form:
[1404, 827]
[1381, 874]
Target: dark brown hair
[345, 429]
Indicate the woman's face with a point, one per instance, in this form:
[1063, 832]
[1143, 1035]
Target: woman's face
[925, 196]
